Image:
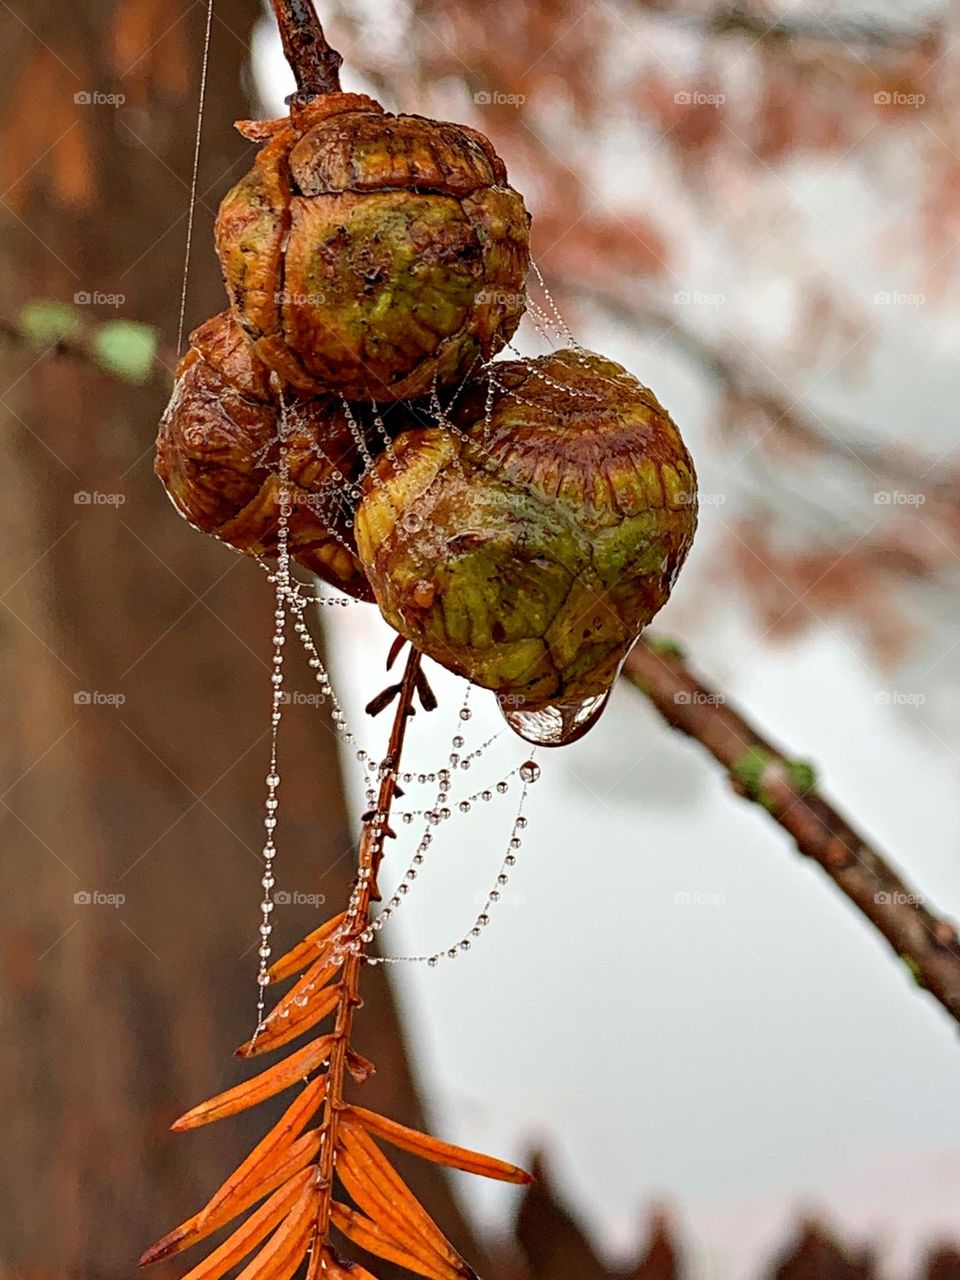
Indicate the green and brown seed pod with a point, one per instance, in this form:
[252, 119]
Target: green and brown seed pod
[527, 548]
[218, 457]
[373, 254]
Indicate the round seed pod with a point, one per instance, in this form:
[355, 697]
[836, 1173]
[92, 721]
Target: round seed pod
[373, 254]
[527, 547]
[218, 456]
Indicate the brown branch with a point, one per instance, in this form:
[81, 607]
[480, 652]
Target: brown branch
[787, 789]
[296, 1166]
[314, 63]
[758, 26]
[375, 831]
[783, 413]
[80, 345]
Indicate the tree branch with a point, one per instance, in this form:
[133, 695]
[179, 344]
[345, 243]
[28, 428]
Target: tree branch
[67, 336]
[314, 63]
[787, 789]
[745, 20]
[376, 828]
[786, 415]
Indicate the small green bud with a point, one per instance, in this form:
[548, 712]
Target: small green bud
[126, 349]
[46, 322]
[802, 775]
[749, 770]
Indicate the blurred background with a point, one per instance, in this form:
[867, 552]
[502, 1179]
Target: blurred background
[720, 1069]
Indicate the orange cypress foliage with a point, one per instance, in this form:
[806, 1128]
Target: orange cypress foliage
[300, 1171]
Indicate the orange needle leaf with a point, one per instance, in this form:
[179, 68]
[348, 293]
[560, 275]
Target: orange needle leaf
[203, 1224]
[311, 949]
[334, 1269]
[287, 1247]
[287, 1129]
[421, 1144]
[268, 1083]
[369, 1236]
[260, 1224]
[376, 1203]
[276, 1032]
[313, 981]
[381, 1193]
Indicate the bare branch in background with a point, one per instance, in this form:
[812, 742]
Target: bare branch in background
[787, 789]
[753, 21]
[785, 415]
[120, 349]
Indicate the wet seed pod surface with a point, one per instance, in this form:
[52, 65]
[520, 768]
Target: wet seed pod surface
[218, 457]
[527, 552]
[373, 254]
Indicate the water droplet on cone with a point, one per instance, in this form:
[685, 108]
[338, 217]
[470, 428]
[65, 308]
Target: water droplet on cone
[556, 725]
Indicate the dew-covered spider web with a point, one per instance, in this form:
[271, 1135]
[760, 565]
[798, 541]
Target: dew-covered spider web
[470, 773]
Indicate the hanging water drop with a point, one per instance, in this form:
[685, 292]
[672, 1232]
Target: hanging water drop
[556, 725]
[530, 771]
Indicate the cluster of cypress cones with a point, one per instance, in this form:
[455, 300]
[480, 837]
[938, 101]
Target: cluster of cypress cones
[519, 521]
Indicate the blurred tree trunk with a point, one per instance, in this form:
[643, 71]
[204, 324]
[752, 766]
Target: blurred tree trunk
[115, 1018]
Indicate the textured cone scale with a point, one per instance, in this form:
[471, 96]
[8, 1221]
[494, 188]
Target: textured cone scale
[373, 254]
[218, 457]
[526, 550]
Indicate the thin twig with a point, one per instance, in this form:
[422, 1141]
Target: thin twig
[314, 63]
[783, 413]
[787, 789]
[375, 830]
[80, 345]
[758, 26]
